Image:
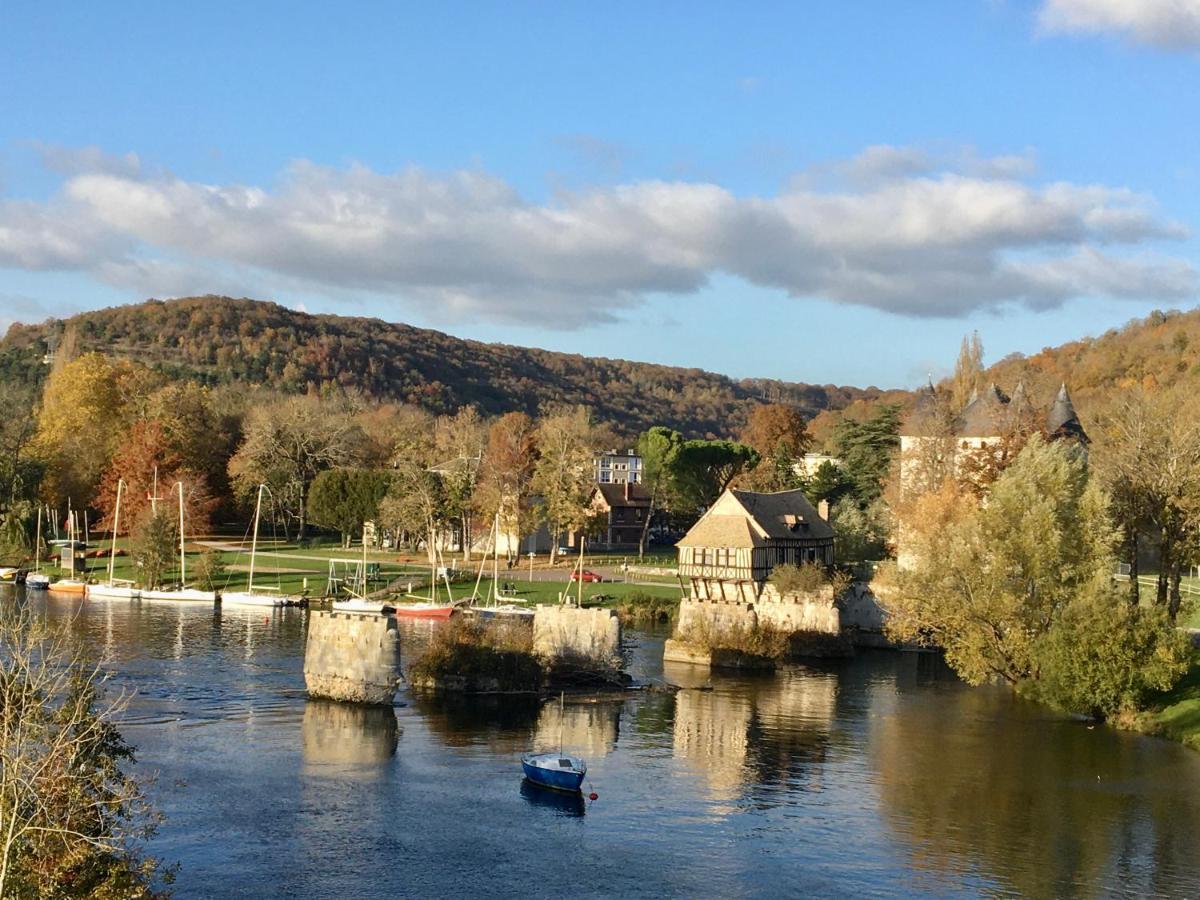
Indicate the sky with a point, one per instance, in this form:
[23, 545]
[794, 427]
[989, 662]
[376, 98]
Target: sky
[817, 192]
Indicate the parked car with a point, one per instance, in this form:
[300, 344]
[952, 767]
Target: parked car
[586, 576]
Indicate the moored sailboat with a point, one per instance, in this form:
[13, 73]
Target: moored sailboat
[70, 584]
[251, 597]
[37, 580]
[181, 594]
[111, 589]
[358, 600]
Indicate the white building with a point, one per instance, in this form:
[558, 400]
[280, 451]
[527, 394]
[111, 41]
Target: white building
[619, 468]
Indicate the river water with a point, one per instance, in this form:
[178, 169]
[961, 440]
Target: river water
[876, 776]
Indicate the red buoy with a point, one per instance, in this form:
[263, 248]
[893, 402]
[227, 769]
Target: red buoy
[593, 796]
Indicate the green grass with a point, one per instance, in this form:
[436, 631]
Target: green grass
[1177, 713]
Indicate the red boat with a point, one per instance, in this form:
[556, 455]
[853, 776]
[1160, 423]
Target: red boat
[424, 610]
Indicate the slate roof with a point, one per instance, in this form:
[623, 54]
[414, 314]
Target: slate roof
[1062, 420]
[984, 415]
[784, 515]
[918, 422]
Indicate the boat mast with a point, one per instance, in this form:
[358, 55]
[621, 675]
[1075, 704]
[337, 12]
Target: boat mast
[562, 711]
[70, 538]
[254, 540]
[112, 553]
[182, 563]
[363, 585]
[37, 546]
[496, 562]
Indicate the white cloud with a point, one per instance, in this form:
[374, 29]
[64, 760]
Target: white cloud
[1167, 24]
[905, 231]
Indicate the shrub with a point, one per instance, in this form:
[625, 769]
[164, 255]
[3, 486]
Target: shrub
[760, 640]
[473, 648]
[802, 579]
[209, 569]
[640, 608]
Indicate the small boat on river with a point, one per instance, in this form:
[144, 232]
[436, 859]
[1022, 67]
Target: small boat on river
[556, 770]
[358, 601]
[37, 580]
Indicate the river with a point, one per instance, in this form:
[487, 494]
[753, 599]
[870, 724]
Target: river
[876, 776]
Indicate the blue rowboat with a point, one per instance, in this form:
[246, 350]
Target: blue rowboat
[554, 770]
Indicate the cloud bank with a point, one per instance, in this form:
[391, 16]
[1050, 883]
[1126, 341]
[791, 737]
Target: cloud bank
[1166, 24]
[894, 229]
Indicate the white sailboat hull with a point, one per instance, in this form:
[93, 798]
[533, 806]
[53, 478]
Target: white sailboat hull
[111, 592]
[354, 604]
[247, 598]
[37, 582]
[184, 595]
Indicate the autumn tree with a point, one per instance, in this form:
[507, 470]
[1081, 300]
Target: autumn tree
[459, 441]
[563, 474]
[1148, 453]
[657, 447]
[151, 468]
[777, 432]
[287, 444]
[78, 426]
[416, 505]
[507, 473]
[968, 371]
[992, 584]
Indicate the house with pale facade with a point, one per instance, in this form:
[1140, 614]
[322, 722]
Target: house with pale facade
[618, 468]
[738, 542]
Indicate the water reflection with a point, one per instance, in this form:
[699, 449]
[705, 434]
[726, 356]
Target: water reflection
[504, 723]
[571, 805]
[746, 736]
[345, 734]
[1046, 807]
[587, 729]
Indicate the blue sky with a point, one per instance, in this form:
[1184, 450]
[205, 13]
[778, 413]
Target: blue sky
[814, 192]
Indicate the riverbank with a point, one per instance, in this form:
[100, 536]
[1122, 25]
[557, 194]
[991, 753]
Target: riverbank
[1176, 713]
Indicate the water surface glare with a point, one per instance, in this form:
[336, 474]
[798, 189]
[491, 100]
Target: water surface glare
[873, 777]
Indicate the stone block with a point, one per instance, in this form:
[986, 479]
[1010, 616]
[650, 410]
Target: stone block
[352, 657]
[586, 637]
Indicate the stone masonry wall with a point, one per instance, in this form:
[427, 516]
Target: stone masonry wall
[353, 657]
[588, 637]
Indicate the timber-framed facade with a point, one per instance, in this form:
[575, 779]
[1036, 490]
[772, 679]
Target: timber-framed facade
[738, 542]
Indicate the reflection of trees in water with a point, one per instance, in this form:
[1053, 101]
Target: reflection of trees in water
[504, 722]
[978, 780]
[748, 735]
[344, 733]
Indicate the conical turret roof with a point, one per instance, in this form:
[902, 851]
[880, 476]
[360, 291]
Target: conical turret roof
[918, 420]
[984, 415]
[1062, 421]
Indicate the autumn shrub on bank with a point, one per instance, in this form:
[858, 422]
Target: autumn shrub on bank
[475, 649]
[809, 578]
[72, 820]
[640, 608]
[759, 640]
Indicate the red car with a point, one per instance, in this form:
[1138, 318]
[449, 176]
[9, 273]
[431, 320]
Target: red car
[586, 576]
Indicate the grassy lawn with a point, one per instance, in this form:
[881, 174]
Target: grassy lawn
[1177, 713]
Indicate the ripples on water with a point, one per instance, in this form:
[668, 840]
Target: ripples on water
[873, 777]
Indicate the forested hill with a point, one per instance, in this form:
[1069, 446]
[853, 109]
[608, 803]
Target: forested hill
[219, 340]
[1160, 351]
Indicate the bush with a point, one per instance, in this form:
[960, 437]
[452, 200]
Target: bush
[1104, 657]
[802, 579]
[761, 640]
[209, 569]
[475, 649]
[640, 608]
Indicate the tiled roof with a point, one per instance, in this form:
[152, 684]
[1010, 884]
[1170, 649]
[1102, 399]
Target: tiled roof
[1062, 420]
[722, 531]
[984, 415]
[614, 495]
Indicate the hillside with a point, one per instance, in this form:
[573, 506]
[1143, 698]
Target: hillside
[219, 340]
[1160, 351]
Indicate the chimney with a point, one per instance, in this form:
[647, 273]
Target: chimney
[628, 491]
[823, 510]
